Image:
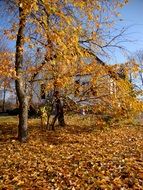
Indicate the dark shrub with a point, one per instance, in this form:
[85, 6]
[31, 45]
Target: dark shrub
[14, 111]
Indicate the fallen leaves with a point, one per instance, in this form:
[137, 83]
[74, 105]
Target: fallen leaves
[73, 158]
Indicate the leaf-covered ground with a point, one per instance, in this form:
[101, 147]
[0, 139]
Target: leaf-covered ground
[77, 157]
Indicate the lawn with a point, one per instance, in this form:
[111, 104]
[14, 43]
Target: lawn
[81, 156]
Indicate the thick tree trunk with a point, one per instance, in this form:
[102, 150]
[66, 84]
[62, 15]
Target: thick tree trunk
[20, 83]
[59, 112]
[23, 120]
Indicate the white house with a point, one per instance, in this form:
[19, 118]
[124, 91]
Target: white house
[81, 81]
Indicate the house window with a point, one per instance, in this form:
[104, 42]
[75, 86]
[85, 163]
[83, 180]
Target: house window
[85, 83]
[77, 82]
[77, 85]
[93, 91]
[43, 95]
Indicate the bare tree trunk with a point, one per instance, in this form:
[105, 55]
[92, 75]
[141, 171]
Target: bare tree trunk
[20, 83]
[23, 120]
[3, 103]
[141, 76]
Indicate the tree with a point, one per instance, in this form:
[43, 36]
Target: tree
[56, 27]
[19, 82]
[134, 67]
[6, 72]
[138, 58]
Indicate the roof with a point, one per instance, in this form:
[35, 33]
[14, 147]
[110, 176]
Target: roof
[96, 57]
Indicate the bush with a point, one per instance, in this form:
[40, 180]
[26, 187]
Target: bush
[32, 112]
[13, 112]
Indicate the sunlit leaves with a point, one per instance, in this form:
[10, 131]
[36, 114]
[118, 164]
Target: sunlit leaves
[28, 6]
[6, 65]
[80, 156]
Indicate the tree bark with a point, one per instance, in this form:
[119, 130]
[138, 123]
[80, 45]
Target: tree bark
[3, 103]
[20, 83]
[23, 120]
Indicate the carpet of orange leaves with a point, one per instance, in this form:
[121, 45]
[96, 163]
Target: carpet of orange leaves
[77, 157]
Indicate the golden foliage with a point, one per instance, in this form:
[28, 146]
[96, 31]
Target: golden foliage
[6, 65]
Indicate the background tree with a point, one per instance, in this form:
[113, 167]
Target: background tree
[7, 70]
[138, 58]
[134, 67]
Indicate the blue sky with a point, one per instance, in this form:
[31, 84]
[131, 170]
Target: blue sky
[132, 17]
